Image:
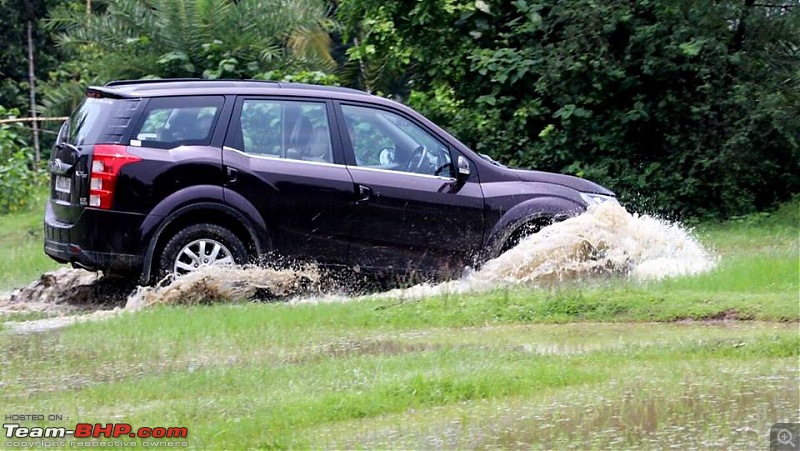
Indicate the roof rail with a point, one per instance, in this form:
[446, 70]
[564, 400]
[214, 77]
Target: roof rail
[148, 80]
[181, 80]
[249, 80]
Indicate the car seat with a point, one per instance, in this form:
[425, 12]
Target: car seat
[299, 138]
[319, 147]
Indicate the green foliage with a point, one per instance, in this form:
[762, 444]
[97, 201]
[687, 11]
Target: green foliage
[14, 84]
[199, 38]
[14, 54]
[314, 77]
[682, 107]
[212, 39]
[19, 180]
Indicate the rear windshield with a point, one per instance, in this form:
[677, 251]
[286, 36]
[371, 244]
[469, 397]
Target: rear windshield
[100, 120]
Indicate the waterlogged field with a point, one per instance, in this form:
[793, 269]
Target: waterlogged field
[699, 361]
[241, 377]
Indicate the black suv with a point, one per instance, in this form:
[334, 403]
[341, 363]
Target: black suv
[159, 176]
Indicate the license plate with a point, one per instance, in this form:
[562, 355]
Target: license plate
[63, 184]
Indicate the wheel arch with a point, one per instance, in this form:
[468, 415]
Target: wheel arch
[256, 241]
[536, 213]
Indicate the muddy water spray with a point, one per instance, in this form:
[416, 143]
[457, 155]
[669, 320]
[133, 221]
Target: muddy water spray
[604, 241]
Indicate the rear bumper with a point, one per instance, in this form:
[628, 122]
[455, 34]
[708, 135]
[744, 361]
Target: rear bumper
[66, 253]
[98, 240]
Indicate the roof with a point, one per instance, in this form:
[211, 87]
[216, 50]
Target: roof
[193, 86]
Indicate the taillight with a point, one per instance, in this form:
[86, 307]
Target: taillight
[107, 160]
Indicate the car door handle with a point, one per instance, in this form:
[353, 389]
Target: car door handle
[232, 175]
[364, 194]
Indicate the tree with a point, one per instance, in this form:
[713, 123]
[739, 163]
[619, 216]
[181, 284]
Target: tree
[20, 19]
[193, 38]
[682, 107]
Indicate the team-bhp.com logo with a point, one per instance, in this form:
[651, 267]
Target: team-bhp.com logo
[97, 430]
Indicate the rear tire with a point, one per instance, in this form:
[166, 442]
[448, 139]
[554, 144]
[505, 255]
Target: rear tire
[201, 245]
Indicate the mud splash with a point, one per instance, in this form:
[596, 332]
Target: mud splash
[66, 291]
[67, 296]
[227, 284]
[605, 241]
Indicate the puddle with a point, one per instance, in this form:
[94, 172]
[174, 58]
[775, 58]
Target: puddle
[732, 411]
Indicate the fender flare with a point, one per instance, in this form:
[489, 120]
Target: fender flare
[549, 208]
[191, 199]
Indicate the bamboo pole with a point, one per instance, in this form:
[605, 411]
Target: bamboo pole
[32, 84]
[31, 119]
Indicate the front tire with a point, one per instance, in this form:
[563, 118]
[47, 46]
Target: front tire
[198, 246]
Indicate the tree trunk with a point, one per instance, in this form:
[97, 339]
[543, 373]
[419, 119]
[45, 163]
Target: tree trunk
[32, 83]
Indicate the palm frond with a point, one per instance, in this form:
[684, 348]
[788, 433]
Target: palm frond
[151, 37]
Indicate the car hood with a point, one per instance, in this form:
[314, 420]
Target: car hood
[576, 183]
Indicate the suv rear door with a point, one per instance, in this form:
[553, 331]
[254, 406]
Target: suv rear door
[99, 119]
[281, 157]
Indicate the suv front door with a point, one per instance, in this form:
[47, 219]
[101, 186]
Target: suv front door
[279, 156]
[411, 211]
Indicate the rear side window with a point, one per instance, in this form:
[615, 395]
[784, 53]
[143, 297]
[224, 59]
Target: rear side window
[101, 120]
[178, 121]
[296, 130]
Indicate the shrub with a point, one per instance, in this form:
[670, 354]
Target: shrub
[19, 179]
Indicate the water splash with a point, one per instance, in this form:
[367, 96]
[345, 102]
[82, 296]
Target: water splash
[226, 284]
[605, 241]
[69, 296]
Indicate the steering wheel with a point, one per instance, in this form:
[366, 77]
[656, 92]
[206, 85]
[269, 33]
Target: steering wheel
[386, 156]
[417, 158]
[444, 161]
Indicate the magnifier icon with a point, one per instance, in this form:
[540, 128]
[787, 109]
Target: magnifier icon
[785, 437]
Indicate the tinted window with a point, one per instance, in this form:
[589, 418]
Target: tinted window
[176, 121]
[296, 130]
[385, 140]
[99, 120]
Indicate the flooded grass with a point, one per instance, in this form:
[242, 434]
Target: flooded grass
[715, 404]
[240, 381]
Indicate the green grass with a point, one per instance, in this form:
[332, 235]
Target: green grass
[237, 380]
[607, 365]
[21, 238]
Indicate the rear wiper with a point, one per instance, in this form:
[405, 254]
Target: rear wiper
[65, 145]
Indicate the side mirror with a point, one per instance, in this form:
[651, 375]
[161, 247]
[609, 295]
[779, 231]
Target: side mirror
[463, 168]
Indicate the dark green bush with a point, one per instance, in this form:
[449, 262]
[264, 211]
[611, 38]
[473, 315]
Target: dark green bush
[681, 107]
[19, 179]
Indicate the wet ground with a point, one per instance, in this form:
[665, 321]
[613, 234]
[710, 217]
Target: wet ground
[606, 241]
